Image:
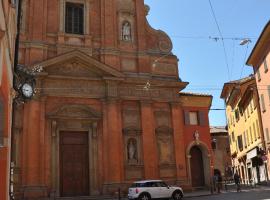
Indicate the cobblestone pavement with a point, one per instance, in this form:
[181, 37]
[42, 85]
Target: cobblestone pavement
[259, 193]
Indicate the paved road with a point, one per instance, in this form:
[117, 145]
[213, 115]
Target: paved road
[262, 193]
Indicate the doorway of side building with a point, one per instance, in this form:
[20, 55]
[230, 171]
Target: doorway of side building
[74, 161]
[197, 167]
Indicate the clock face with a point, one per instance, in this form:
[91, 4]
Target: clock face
[27, 90]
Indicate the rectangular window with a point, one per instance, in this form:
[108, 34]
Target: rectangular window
[236, 112]
[265, 65]
[240, 142]
[244, 140]
[262, 103]
[233, 138]
[248, 141]
[202, 119]
[258, 75]
[193, 117]
[251, 136]
[254, 131]
[2, 123]
[251, 106]
[74, 18]
[258, 129]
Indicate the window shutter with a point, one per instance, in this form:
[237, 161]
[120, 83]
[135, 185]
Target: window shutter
[265, 65]
[2, 123]
[258, 75]
[187, 121]
[262, 102]
[202, 120]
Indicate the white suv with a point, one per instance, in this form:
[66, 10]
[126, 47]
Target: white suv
[154, 189]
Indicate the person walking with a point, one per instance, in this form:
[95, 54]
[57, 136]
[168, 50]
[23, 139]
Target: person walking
[236, 178]
[219, 182]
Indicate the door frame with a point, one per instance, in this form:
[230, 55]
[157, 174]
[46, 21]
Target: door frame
[200, 154]
[207, 162]
[58, 126]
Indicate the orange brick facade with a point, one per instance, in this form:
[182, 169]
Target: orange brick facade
[7, 39]
[121, 93]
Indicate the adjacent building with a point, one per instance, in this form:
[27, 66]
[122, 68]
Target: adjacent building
[107, 110]
[7, 45]
[221, 151]
[245, 129]
[259, 59]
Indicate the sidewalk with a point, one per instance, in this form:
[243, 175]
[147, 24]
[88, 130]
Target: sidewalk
[198, 193]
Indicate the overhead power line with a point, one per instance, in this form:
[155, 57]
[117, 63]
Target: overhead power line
[223, 44]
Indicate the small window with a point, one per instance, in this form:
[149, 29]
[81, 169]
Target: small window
[193, 117]
[251, 137]
[74, 18]
[244, 139]
[258, 75]
[236, 112]
[258, 129]
[248, 141]
[233, 138]
[240, 142]
[265, 65]
[263, 103]
[254, 131]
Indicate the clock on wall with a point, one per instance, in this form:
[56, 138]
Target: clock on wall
[27, 90]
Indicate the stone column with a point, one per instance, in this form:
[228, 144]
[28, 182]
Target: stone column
[149, 141]
[179, 143]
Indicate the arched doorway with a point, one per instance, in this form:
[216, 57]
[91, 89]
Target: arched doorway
[197, 167]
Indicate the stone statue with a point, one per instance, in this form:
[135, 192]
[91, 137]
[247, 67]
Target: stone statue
[126, 31]
[132, 150]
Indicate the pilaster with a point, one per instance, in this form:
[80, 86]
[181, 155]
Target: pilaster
[114, 143]
[179, 143]
[149, 141]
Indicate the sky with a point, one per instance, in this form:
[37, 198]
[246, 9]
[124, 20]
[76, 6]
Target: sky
[204, 61]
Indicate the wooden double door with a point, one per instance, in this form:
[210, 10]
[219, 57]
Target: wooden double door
[74, 164]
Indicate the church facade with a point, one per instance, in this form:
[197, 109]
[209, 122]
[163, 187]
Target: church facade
[108, 108]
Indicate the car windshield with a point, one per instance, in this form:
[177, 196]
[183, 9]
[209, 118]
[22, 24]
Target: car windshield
[134, 185]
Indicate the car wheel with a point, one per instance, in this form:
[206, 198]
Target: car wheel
[144, 196]
[177, 195]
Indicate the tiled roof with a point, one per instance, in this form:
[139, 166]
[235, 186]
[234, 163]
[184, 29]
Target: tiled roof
[218, 129]
[194, 94]
[243, 80]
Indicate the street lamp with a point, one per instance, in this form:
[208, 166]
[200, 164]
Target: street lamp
[245, 41]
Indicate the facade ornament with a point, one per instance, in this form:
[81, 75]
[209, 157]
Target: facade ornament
[197, 137]
[126, 31]
[132, 150]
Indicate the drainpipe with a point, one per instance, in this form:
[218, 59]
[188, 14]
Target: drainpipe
[15, 70]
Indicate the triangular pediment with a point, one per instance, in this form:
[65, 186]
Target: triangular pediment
[77, 64]
[75, 112]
